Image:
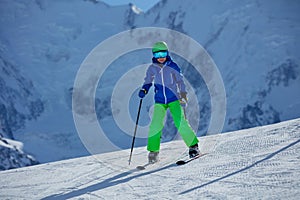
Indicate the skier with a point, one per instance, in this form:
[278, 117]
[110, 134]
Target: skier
[169, 90]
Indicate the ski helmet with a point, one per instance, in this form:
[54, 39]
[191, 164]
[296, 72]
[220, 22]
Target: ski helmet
[160, 46]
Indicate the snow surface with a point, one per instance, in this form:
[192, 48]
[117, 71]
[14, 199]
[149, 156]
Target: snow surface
[257, 163]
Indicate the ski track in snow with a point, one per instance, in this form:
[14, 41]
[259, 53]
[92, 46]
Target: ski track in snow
[257, 163]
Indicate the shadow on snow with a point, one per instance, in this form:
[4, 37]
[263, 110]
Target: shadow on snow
[241, 170]
[115, 180]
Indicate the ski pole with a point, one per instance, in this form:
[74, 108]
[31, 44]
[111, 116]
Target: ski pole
[136, 125]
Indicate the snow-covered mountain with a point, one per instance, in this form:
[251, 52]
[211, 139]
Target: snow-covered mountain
[42, 44]
[257, 163]
[20, 101]
[12, 155]
[254, 45]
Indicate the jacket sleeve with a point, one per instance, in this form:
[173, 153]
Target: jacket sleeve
[179, 79]
[148, 79]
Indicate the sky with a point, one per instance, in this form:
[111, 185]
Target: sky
[142, 4]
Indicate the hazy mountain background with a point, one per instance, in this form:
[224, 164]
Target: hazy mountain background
[43, 42]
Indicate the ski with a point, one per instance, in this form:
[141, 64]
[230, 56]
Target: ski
[179, 162]
[183, 162]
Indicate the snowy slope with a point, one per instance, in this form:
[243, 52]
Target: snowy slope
[257, 163]
[43, 43]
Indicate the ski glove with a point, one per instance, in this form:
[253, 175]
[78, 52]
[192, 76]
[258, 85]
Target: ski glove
[183, 96]
[142, 93]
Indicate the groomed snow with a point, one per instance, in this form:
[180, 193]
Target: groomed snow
[258, 163]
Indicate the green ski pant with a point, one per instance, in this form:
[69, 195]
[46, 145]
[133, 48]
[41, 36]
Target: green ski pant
[157, 124]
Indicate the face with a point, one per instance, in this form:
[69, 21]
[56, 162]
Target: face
[161, 60]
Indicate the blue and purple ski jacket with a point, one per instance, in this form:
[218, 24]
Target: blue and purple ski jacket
[168, 81]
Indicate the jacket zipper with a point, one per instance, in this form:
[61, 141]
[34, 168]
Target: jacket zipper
[163, 84]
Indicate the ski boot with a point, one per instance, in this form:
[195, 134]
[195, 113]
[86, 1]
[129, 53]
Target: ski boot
[153, 157]
[194, 151]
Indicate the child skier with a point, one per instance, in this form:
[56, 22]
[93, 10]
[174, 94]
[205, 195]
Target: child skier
[168, 80]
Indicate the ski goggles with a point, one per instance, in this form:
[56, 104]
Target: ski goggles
[160, 54]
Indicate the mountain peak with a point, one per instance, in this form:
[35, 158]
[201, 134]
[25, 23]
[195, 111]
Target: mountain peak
[135, 9]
